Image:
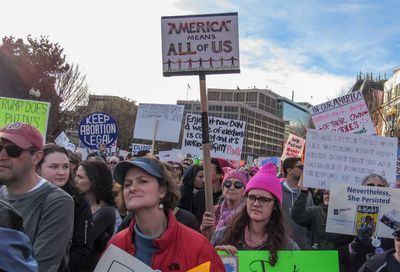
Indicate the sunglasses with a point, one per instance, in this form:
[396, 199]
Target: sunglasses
[377, 185]
[14, 151]
[262, 200]
[236, 184]
[396, 236]
[299, 166]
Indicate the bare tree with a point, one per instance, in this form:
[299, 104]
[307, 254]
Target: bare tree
[301, 128]
[72, 88]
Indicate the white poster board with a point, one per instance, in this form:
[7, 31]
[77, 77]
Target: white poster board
[117, 260]
[226, 136]
[162, 120]
[347, 158]
[352, 207]
[348, 114]
[139, 147]
[62, 139]
[200, 44]
[293, 147]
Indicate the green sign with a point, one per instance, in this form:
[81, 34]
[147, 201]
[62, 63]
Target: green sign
[289, 261]
[35, 113]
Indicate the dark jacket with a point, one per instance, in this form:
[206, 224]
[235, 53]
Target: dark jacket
[297, 232]
[199, 203]
[82, 238]
[314, 219]
[376, 262]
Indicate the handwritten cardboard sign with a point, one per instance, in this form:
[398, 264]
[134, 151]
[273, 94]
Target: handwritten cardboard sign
[354, 207]
[292, 261]
[162, 120]
[34, 113]
[348, 114]
[200, 44]
[347, 158]
[226, 136]
[293, 147]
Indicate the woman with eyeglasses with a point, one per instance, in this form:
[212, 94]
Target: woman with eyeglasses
[260, 225]
[388, 261]
[55, 167]
[352, 256]
[233, 186]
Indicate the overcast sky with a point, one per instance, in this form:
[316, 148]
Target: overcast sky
[315, 48]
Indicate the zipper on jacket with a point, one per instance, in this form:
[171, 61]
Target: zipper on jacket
[86, 227]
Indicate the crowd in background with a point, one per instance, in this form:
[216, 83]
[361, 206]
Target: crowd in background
[64, 211]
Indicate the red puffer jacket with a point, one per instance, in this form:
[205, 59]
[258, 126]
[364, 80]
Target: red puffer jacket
[180, 248]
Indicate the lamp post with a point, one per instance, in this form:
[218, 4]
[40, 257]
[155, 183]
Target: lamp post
[35, 94]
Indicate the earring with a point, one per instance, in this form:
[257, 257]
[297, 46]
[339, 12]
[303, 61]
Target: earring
[161, 206]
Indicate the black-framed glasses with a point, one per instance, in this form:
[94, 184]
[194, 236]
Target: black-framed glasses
[261, 199]
[299, 166]
[14, 151]
[377, 185]
[237, 184]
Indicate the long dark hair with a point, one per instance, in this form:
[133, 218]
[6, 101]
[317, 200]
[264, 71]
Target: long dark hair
[48, 149]
[275, 230]
[101, 178]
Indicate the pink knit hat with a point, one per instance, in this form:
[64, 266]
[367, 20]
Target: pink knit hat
[235, 174]
[266, 180]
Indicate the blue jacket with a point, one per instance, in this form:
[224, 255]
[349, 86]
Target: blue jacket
[16, 251]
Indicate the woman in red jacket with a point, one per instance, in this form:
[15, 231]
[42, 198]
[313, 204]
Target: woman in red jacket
[154, 236]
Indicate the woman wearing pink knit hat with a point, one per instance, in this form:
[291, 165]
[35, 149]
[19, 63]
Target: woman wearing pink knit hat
[233, 187]
[260, 225]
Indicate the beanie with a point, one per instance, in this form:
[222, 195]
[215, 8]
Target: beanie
[266, 180]
[236, 174]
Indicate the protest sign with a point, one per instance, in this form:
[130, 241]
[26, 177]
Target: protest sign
[354, 207]
[62, 139]
[200, 43]
[348, 113]
[97, 129]
[226, 136]
[309, 260]
[117, 260]
[293, 147]
[138, 147]
[347, 158]
[275, 160]
[34, 113]
[162, 121]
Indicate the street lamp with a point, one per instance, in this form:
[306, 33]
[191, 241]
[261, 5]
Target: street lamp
[35, 94]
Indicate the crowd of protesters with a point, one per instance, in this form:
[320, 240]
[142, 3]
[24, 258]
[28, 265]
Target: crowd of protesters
[60, 213]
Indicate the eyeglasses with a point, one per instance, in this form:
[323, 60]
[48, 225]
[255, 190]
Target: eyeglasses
[376, 185]
[236, 184]
[299, 166]
[14, 151]
[262, 200]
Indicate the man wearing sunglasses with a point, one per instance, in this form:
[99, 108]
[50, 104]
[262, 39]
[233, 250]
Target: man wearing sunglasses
[47, 211]
[389, 261]
[292, 171]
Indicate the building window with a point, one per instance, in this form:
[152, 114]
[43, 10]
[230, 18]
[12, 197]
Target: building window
[213, 96]
[251, 96]
[225, 96]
